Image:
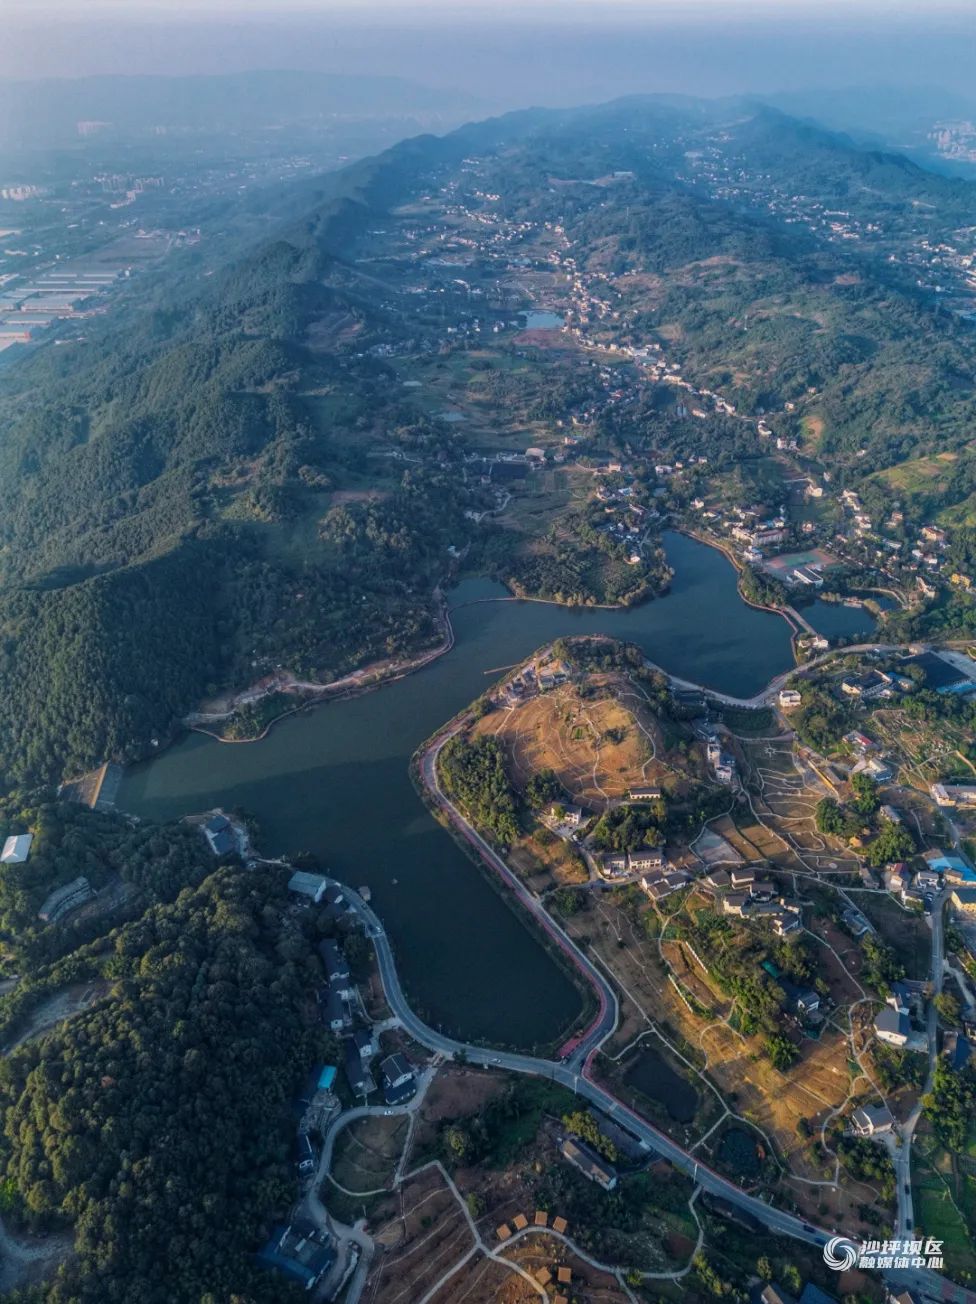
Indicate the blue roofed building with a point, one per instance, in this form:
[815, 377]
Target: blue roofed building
[299, 1251]
[954, 868]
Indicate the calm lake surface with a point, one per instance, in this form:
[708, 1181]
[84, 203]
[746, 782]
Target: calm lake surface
[334, 782]
[834, 620]
[541, 320]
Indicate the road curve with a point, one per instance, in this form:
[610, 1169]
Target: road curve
[574, 1073]
[575, 1079]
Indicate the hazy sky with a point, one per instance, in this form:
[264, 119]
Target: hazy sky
[542, 51]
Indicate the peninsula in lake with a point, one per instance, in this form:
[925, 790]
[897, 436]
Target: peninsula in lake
[487, 700]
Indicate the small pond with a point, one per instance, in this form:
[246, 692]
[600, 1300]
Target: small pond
[653, 1077]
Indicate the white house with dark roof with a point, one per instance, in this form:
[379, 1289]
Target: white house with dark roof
[892, 1027]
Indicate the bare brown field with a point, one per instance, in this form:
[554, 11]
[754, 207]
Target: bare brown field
[485, 1281]
[546, 864]
[775, 1102]
[420, 1242]
[540, 1254]
[598, 747]
[455, 1092]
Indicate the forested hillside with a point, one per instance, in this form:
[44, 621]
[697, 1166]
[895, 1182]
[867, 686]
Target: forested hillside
[229, 476]
[160, 539]
[157, 1124]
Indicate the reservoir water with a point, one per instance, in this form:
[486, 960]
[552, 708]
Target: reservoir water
[539, 319]
[334, 781]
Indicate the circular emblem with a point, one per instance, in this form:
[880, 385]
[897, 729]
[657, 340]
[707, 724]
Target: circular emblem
[840, 1254]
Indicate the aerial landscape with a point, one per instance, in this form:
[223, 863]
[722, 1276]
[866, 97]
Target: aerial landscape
[488, 652]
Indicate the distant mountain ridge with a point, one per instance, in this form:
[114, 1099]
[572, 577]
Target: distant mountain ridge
[160, 469]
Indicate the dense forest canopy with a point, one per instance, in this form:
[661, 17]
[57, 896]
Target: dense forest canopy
[158, 1123]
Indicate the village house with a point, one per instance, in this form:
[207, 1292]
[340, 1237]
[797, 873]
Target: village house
[572, 816]
[954, 794]
[790, 698]
[336, 969]
[892, 1027]
[399, 1080]
[299, 1251]
[614, 863]
[870, 1120]
[336, 1014]
[589, 1163]
[957, 1049]
[871, 684]
[856, 922]
[219, 834]
[786, 920]
[645, 858]
[897, 877]
[803, 1001]
[661, 888]
[362, 1039]
[357, 1075]
[311, 886]
[735, 903]
[859, 741]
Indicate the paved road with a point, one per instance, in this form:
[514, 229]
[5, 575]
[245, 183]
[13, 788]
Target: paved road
[574, 1079]
[574, 1072]
[605, 1019]
[903, 1156]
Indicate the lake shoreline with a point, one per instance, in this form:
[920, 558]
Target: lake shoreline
[337, 785]
[377, 674]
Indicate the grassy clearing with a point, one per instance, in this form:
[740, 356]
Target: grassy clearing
[937, 1214]
[904, 931]
[367, 1152]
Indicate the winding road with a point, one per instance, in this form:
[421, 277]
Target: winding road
[573, 1071]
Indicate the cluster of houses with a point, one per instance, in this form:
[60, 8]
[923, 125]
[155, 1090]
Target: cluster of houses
[941, 870]
[951, 795]
[742, 894]
[756, 533]
[299, 1251]
[660, 884]
[339, 1001]
[534, 679]
[722, 763]
[628, 518]
[563, 1276]
[62, 900]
